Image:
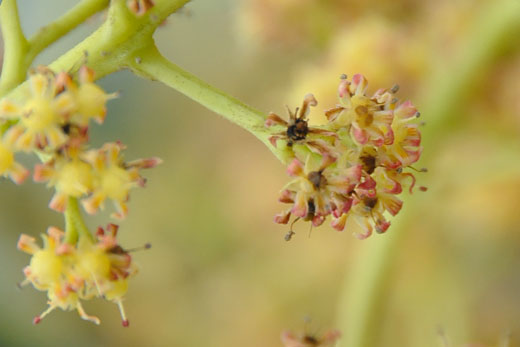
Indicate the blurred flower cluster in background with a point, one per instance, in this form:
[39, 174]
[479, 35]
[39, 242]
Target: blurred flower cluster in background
[219, 272]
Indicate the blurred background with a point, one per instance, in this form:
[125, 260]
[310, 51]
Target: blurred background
[219, 272]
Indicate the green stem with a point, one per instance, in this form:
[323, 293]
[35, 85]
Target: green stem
[63, 25]
[360, 311]
[151, 64]
[15, 47]
[74, 224]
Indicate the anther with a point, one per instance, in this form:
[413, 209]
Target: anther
[289, 235]
[343, 76]
[394, 89]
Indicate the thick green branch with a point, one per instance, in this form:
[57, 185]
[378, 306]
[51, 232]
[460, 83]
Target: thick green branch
[151, 64]
[15, 47]
[63, 25]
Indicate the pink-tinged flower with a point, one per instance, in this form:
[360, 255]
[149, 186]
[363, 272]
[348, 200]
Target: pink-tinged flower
[406, 148]
[113, 178]
[373, 197]
[41, 117]
[8, 165]
[316, 192]
[363, 171]
[367, 212]
[328, 339]
[368, 118]
[298, 130]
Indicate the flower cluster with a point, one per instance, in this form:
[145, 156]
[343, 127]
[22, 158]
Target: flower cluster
[52, 120]
[70, 273]
[354, 166]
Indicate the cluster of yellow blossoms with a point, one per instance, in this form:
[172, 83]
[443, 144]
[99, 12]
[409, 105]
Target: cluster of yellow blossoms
[354, 166]
[52, 120]
[70, 273]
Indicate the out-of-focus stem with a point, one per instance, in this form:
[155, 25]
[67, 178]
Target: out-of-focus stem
[360, 308]
[151, 64]
[15, 47]
[63, 25]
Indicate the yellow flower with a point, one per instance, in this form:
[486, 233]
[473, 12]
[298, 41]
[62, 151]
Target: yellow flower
[88, 98]
[72, 177]
[114, 178]
[41, 117]
[8, 165]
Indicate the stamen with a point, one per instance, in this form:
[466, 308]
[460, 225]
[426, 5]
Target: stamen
[23, 283]
[413, 181]
[418, 170]
[97, 286]
[141, 248]
[290, 234]
[343, 76]
[39, 318]
[124, 321]
[394, 89]
[85, 316]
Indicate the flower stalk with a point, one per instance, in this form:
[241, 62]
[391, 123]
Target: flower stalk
[74, 224]
[151, 64]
